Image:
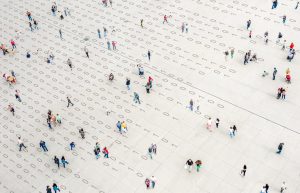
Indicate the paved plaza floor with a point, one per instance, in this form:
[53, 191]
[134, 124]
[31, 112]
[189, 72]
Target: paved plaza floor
[184, 66]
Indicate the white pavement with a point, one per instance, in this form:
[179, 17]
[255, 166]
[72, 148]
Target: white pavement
[184, 66]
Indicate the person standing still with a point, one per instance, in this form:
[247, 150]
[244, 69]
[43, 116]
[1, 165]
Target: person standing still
[274, 73]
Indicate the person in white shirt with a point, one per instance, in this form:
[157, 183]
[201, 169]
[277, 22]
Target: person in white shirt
[21, 144]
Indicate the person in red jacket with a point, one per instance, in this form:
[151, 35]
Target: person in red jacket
[292, 46]
[105, 151]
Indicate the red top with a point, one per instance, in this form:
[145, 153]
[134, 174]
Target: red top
[292, 45]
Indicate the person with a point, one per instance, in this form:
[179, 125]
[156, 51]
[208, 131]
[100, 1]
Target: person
[189, 164]
[48, 189]
[21, 144]
[99, 33]
[114, 43]
[191, 105]
[283, 19]
[136, 98]
[142, 23]
[128, 83]
[148, 87]
[279, 37]
[283, 91]
[69, 62]
[292, 45]
[283, 187]
[231, 132]
[150, 80]
[232, 53]
[97, 151]
[69, 102]
[28, 55]
[105, 152]
[147, 182]
[43, 145]
[280, 147]
[11, 109]
[254, 58]
[297, 5]
[154, 148]
[124, 127]
[208, 124]
[198, 165]
[60, 34]
[153, 181]
[288, 78]
[243, 171]
[265, 73]
[63, 161]
[82, 133]
[150, 152]
[182, 27]
[226, 55]
[141, 70]
[72, 145]
[266, 187]
[234, 130]
[248, 24]
[17, 95]
[283, 45]
[217, 122]
[86, 52]
[274, 4]
[149, 54]
[279, 92]
[56, 161]
[58, 118]
[55, 188]
[274, 73]
[111, 77]
[119, 126]
[165, 19]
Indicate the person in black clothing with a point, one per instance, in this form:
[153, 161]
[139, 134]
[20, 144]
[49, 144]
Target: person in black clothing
[280, 147]
[69, 102]
[149, 55]
[189, 164]
[56, 160]
[48, 189]
[243, 171]
[266, 187]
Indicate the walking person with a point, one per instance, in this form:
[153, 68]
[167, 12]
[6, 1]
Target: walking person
[17, 95]
[60, 34]
[274, 73]
[105, 31]
[150, 152]
[48, 189]
[128, 83]
[136, 98]
[35, 23]
[69, 62]
[280, 147]
[243, 171]
[283, 91]
[217, 122]
[63, 161]
[154, 148]
[56, 161]
[11, 109]
[99, 33]
[153, 182]
[283, 19]
[55, 188]
[58, 119]
[149, 55]
[105, 152]
[226, 55]
[108, 45]
[231, 132]
[29, 15]
[283, 45]
[248, 24]
[250, 34]
[72, 145]
[182, 27]
[13, 44]
[266, 187]
[21, 144]
[142, 23]
[232, 53]
[297, 5]
[191, 105]
[148, 87]
[234, 130]
[283, 187]
[69, 102]
[82, 133]
[208, 124]
[279, 37]
[43, 145]
[165, 19]
[198, 165]
[86, 52]
[189, 165]
[274, 4]
[30, 25]
[49, 123]
[114, 43]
